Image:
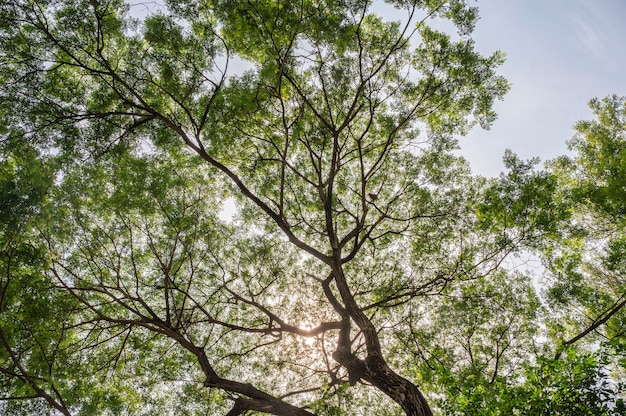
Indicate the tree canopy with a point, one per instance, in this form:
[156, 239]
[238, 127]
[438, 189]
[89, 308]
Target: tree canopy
[258, 207]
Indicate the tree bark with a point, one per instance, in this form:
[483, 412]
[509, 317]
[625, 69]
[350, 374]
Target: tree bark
[256, 399]
[374, 368]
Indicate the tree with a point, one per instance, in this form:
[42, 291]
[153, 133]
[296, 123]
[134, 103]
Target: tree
[587, 261]
[359, 242]
[571, 215]
[591, 257]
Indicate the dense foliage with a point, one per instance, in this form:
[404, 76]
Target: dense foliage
[247, 207]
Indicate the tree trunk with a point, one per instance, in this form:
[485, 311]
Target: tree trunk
[374, 368]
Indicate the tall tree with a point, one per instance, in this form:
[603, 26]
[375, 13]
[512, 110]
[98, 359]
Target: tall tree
[574, 211]
[356, 227]
[588, 263]
[561, 353]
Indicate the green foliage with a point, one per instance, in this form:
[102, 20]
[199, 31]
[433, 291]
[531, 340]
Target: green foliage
[363, 263]
[577, 384]
[587, 259]
[524, 201]
[600, 163]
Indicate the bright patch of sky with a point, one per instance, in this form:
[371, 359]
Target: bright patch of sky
[560, 54]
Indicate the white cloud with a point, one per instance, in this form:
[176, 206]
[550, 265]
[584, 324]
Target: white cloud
[590, 36]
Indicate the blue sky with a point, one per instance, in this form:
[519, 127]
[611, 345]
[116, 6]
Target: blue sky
[560, 54]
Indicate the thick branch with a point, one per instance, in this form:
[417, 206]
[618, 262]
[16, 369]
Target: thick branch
[598, 322]
[374, 368]
[258, 400]
[31, 380]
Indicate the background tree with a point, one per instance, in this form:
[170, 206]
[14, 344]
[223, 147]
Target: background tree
[589, 264]
[574, 208]
[587, 287]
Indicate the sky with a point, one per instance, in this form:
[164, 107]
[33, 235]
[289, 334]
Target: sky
[560, 54]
